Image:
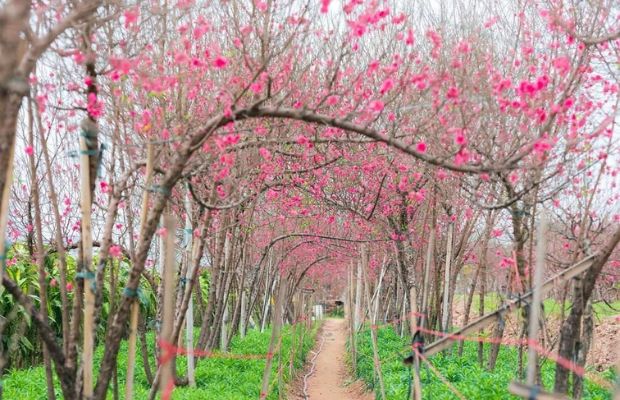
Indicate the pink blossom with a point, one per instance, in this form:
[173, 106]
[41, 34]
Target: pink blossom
[332, 100]
[460, 139]
[409, 40]
[562, 64]
[261, 5]
[325, 6]
[421, 147]
[490, 22]
[266, 154]
[453, 93]
[220, 62]
[513, 177]
[387, 85]
[416, 196]
[116, 252]
[29, 150]
[568, 103]
[162, 232]
[223, 174]
[376, 106]
[79, 57]
[131, 16]
[301, 139]
[220, 191]
[256, 87]
[541, 146]
[103, 185]
[399, 19]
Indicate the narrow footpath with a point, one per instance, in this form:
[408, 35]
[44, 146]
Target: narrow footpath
[331, 380]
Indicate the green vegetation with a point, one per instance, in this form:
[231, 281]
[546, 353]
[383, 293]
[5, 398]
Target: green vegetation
[464, 373]
[222, 378]
[552, 306]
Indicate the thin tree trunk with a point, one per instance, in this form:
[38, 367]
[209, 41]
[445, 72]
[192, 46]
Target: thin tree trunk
[60, 247]
[446, 289]
[40, 254]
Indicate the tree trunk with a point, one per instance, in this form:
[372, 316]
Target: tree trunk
[570, 327]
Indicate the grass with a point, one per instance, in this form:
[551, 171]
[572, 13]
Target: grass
[216, 378]
[493, 301]
[463, 373]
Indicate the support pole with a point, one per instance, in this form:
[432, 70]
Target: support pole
[275, 337]
[189, 315]
[373, 327]
[135, 305]
[446, 284]
[169, 298]
[541, 251]
[416, 392]
[88, 344]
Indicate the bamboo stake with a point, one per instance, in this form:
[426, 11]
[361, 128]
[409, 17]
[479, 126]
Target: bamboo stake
[358, 297]
[88, 129]
[275, 337]
[352, 307]
[135, 306]
[416, 392]
[617, 390]
[189, 315]
[536, 299]
[4, 212]
[427, 270]
[446, 288]
[169, 299]
[373, 332]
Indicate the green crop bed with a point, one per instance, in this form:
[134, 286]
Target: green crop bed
[464, 373]
[216, 378]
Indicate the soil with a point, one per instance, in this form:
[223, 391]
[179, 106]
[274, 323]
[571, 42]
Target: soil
[330, 379]
[602, 354]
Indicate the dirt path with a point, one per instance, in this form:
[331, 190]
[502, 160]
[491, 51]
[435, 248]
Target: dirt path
[331, 380]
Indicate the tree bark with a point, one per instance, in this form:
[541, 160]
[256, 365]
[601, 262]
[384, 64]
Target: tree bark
[568, 336]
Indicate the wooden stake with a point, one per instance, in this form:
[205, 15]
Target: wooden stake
[427, 270]
[446, 283]
[541, 252]
[416, 391]
[135, 306]
[373, 332]
[352, 307]
[275, 337]
[87, 256]
[4, 212]
[358, 297]
[189, 315]
[530, 390]
[169, 299]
